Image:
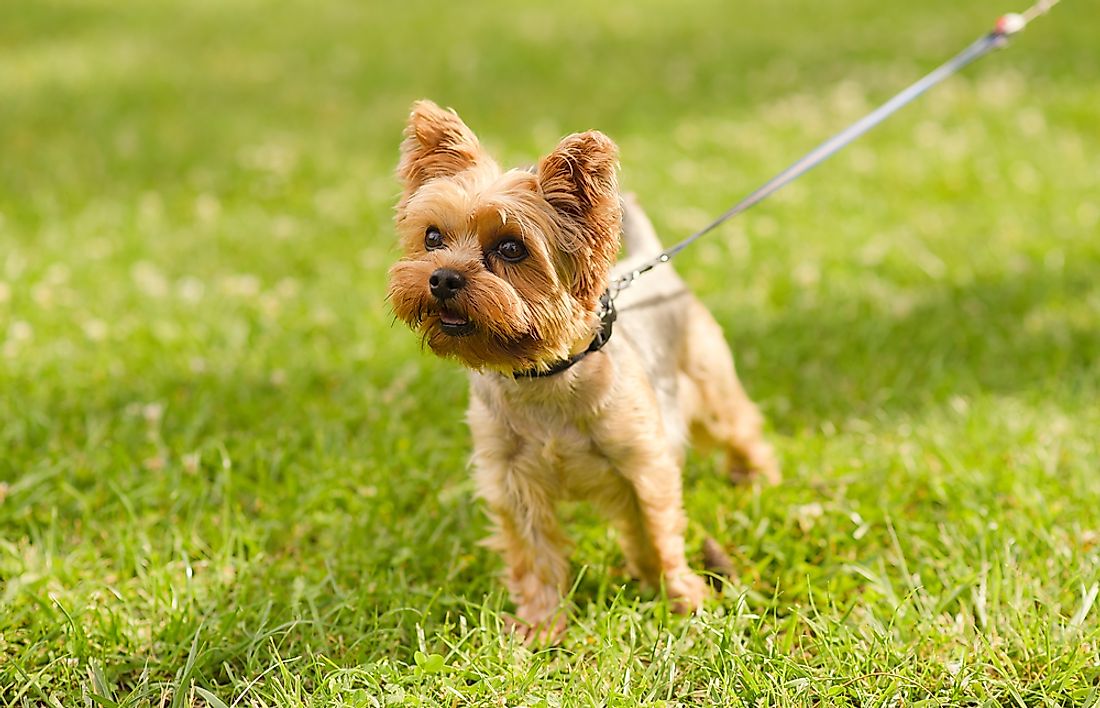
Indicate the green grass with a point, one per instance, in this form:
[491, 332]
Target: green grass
[225, 475]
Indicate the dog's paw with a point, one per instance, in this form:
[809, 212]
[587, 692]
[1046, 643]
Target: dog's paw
[544, 632]
[756, 463]
[687, 591]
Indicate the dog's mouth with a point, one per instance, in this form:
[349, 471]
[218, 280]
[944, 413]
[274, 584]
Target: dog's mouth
[454, 324]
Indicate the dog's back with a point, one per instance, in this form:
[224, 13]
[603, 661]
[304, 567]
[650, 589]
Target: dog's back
[686, 357]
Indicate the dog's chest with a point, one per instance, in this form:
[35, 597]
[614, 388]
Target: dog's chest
[557, 435]
[571, 457]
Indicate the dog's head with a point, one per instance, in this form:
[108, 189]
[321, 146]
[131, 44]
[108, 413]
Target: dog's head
[502, 270]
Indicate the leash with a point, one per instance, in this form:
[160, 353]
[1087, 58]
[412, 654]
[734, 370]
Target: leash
[1007, 26]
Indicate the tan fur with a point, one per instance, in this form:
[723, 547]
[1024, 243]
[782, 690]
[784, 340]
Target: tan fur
[613, 428]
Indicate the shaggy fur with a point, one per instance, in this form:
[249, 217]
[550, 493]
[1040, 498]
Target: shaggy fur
[613, 428]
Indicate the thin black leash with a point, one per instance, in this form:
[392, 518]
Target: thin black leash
[1006, 27]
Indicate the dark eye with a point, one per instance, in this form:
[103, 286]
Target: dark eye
[433, 239]
[511, 250]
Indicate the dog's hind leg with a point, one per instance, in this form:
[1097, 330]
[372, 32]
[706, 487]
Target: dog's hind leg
[719, 412]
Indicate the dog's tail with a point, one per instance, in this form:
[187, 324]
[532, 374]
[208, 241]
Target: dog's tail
[639, 235]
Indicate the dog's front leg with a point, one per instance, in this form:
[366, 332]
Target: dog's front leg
[518, 492]
[652, 522]
[648, 504]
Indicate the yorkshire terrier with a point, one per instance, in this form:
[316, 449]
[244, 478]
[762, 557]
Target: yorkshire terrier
[507, 272]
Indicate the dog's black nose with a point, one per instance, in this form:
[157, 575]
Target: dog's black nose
[445, 283]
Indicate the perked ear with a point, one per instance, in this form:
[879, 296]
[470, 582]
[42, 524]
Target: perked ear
[578, 179]
[437, 144]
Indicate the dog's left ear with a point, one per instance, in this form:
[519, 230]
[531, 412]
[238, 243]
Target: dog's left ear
[437, 144]
[579, 180]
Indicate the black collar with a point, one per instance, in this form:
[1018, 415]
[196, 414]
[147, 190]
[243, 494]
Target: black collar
[607, 318]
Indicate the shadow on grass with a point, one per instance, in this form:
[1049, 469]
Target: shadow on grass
[1030, 334]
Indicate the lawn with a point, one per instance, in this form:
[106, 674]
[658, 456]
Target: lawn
[227, 478]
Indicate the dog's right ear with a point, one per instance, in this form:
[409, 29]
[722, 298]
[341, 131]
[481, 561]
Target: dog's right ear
[437, 144]
[578, 179]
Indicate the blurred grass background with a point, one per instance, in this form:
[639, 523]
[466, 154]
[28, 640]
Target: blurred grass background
[219, 468]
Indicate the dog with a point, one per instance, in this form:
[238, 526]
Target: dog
[507, 272]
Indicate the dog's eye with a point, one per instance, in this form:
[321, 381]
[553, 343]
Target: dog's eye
[433, 239]
[511, 250]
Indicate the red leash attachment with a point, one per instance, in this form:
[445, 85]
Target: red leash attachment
[1010, 24]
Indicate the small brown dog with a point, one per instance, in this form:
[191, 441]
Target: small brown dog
[504, 271]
